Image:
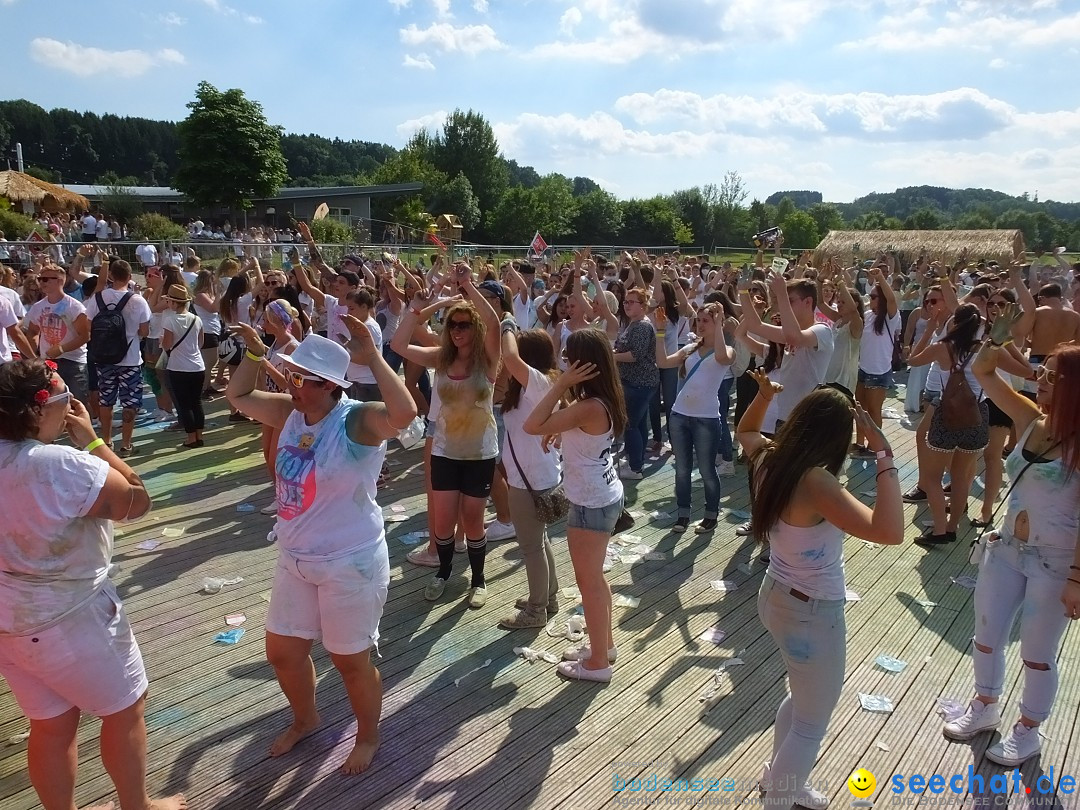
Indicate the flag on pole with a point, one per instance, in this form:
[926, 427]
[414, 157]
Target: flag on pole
[435, 240]
[538, 246]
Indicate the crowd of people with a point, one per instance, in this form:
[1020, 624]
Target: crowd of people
[544, 388]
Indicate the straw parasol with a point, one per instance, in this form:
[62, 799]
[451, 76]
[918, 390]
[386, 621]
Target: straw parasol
[21, 187]
[1002, 245]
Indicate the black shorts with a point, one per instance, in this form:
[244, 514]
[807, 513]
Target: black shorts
[210, 341]
[472, 478]
[998, 417]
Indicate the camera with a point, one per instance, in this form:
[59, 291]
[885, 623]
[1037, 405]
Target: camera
[768, 237]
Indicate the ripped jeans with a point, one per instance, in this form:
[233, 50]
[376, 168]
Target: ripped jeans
[812, 639]
[1014, 575]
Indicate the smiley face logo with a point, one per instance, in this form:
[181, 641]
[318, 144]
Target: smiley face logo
[861, 783]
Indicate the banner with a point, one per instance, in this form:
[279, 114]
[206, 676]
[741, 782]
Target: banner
[538, 245]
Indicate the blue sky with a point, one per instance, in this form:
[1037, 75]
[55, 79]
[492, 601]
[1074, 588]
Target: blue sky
[645, 96]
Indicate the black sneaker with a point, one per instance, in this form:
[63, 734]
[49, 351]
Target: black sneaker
[914, 495]
[680, 525]
[707, 526]
[928, 538]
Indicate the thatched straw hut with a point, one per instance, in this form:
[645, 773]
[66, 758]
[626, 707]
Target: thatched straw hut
[999, 245]
[19, 187]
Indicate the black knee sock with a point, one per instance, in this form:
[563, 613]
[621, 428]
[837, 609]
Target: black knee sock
[446, 556]
[477, 551]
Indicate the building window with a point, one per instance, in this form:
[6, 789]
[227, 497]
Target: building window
[341, 214]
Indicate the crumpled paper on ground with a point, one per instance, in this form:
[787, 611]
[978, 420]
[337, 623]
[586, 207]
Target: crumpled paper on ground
[532, 656]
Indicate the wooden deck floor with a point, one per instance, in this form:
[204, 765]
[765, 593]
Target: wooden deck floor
[466, 724]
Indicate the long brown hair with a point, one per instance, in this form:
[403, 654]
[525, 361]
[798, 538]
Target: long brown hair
[1065, 405]
[815, 435]
[537, 350]
[448, 351]
[592, 346]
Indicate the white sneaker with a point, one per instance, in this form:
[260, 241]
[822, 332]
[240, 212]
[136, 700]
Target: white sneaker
[745, 530]
[978, 718]
[725, 469]
[626, 474]
[497, 530]
[161, 415]
[271, 509]
[1016, 747]
[807, 797]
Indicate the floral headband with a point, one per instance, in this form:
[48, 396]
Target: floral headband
[42, 396]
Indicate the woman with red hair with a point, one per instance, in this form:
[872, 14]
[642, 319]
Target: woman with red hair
[1033, 560]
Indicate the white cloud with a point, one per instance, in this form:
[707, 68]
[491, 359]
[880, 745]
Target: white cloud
[442, 8]
[480, 6]
[172, 18]
[228, 11]
[998, 64]
[400, 4]
[570, 20]
[406, 129]
[968, 28]
[446, 37]
[87, 61]
[421, 62]
[959, 114]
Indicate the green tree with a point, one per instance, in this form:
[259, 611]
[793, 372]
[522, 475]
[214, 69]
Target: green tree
[467, 144]
[121, 202]
[157, 228]
[870, 221]
[549, 208]
[328, 231]
[599, 218]
[457, 197]
[784, 209]
[800, 230]
[48, 175]
[827, 217]
[923, 219]
[654, 222]
[229, 154]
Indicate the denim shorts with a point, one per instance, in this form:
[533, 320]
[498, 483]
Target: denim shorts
[595, 519]
[875, 380]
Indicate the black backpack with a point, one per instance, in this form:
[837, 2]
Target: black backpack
[108, 332]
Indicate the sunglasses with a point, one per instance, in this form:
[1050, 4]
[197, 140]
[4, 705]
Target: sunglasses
[64, 397]
[298, 379]
[1042, 373]
[48, 278]
[933, 300]
[459, 326]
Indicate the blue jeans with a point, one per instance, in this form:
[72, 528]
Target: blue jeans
[727, 448]
[690, 435]
[812, 641]
[637, 423]
[667, 391]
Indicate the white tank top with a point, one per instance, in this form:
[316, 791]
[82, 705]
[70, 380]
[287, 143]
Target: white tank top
[465, 423]
[1050, 497]
[326, 488]
[210, 318]
[808, 558]
[589, 477]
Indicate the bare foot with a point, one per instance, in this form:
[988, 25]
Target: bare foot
[360, 757]
[292, 735]
[177, 802]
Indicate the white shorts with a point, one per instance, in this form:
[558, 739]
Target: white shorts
[90, 660]
[339, 601]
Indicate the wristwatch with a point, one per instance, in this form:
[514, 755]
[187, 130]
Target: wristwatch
[883, 454]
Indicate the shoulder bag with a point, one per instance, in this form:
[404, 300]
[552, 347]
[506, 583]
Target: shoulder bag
[552, 505]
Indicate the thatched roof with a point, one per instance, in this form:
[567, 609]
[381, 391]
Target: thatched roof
[20, 187]
[1001, 245]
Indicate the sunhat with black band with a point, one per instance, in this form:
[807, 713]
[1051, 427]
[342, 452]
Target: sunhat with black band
[178, 292]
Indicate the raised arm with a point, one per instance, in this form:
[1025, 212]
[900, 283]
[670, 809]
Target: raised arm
[1020, 409]
[375, 422]
[269, 409]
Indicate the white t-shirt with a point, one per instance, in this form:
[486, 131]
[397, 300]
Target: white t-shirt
[7, 320]
[89, 225]
[336, 331]
[698, 390]
[16, 302]
[102, 229]
[135, 313]
[525, 312]
[326, 488]
[56, 323]
[876, 351]
[802, 370]
[189, 278]
[147, 254]
[542, 469]
[56, 559]
[186, 356]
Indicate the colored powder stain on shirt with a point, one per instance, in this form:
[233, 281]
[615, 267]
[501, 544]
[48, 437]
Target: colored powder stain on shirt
[798, 647]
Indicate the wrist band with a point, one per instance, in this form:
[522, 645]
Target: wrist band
[1070, 579]
[884, 454]
[882, 472]
[660, 333]
[94, 445]
[255, 357]
[415, 311]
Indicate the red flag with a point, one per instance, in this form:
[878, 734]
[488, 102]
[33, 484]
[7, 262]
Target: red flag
[35, 242]
[435, 240]
[538, 246]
